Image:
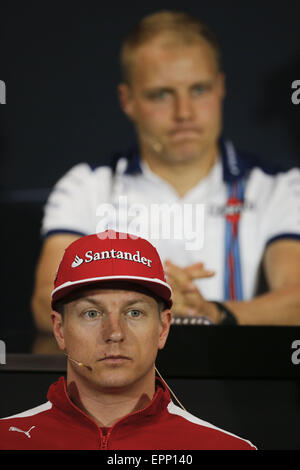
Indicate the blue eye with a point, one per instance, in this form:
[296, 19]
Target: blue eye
[158, 95]
[91, 314]
[161, 95]
[199, 90]
[134, 313]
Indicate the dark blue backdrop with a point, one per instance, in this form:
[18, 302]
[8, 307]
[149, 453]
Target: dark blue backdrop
[60, 66]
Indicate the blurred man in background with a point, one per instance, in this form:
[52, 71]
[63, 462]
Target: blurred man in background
[173, 90]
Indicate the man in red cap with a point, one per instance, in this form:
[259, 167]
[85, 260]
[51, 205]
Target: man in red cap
[111, 314]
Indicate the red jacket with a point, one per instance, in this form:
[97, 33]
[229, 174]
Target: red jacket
[59, 424]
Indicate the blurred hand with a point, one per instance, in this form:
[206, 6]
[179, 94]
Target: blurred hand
[187, 298]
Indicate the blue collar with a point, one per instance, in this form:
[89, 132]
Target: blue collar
[134, 163]
[235, 164]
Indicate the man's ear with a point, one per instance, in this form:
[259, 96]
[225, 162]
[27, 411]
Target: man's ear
[58, 329]
[126, 100]
[165, 320]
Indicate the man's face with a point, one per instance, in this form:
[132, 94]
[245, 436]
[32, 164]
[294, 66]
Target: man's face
[117, 333]
[175, 100]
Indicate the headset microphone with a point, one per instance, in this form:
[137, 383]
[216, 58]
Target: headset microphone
[181, 405]
[80, 364]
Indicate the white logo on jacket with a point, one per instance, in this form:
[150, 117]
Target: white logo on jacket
[12, 428]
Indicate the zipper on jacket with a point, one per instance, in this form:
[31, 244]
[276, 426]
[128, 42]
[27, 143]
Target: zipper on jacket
[106, 432]
[104, 439]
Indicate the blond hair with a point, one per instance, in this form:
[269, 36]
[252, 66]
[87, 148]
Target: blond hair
[181, 26]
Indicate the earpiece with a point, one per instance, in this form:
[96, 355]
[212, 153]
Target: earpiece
[80, 364]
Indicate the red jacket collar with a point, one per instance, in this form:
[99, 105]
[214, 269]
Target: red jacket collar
[58, 396]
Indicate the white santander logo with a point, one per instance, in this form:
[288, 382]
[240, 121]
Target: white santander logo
[77, 261]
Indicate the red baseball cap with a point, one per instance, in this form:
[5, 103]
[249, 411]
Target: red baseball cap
[111, 256]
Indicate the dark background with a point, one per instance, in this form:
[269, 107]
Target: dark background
[60, 63]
